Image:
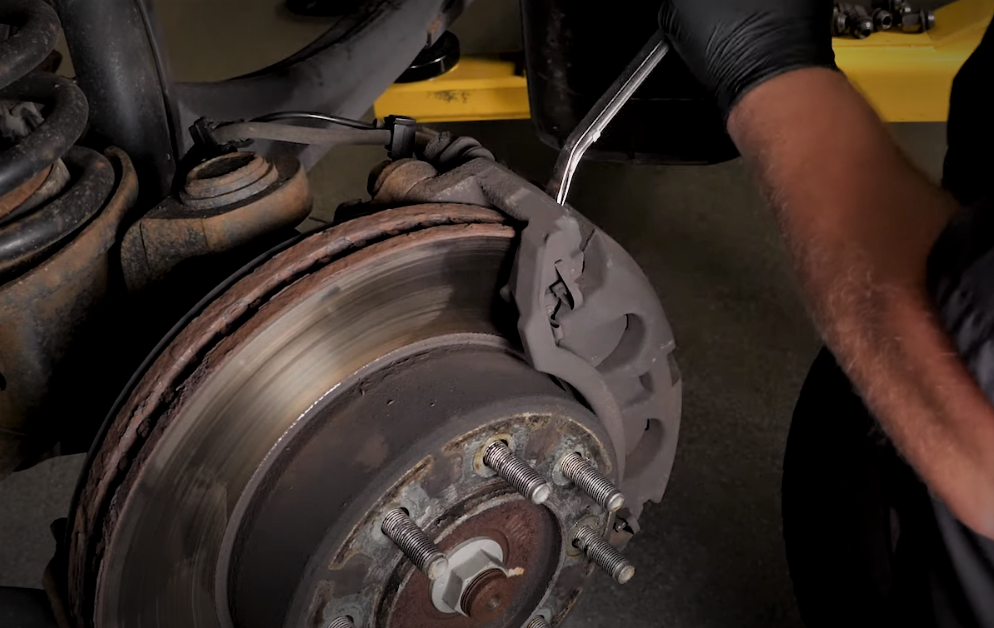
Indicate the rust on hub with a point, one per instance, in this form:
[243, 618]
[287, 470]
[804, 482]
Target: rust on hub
[487, 597]
[530, 538]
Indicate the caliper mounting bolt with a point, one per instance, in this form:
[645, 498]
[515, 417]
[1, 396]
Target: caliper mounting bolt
[603, 554]
[589, 480]
[415, 543]
[517, 472]
[342, 622]
[539, 622]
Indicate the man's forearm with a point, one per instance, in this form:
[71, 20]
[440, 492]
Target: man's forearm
[860, 222]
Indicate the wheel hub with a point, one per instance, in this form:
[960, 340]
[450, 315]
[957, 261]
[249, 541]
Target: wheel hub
[431, 415]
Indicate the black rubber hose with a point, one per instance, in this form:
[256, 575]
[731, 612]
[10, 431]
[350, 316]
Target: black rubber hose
[37, 28]
[26, 240]
[65, 119]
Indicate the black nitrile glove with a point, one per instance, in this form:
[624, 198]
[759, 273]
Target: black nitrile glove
[732, 46]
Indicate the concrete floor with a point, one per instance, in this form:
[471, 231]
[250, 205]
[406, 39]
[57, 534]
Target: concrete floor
[711, 553]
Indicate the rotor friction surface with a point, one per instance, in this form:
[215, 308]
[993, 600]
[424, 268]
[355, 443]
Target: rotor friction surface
[156, 501]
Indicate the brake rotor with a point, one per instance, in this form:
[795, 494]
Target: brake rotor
[364, 369]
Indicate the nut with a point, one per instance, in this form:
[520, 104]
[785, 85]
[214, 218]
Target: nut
[883, 19]
[916, 21]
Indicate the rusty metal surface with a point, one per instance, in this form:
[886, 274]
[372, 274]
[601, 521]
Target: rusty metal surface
[436, 478]
[13, 199]
[131, 436]
[44, 314]
[530, 538]
[34, 235]
[212, 481]
[181, 492]
[175, 233]
[65, 121]
[488, 596]
[416, 453]
[227, 179]
[56, 181]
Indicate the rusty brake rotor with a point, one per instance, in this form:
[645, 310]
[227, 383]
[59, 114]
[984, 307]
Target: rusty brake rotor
[364, 369]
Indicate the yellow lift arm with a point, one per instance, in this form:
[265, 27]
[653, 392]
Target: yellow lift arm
[906, 77]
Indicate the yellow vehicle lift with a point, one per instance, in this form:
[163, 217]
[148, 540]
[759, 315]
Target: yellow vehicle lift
[907, 77]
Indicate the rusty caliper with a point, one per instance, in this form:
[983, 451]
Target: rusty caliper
[587, 313]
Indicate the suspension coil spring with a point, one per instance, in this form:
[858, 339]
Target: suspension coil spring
[48, 188]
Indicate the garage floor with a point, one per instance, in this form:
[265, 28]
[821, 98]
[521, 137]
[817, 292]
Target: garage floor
[711, 553]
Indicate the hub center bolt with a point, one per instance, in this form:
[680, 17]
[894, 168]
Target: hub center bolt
[517, 472]
[590, 481]
[603, 554]
[342, 622]
[415, 543]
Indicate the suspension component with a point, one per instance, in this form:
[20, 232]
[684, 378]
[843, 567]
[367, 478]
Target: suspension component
[517, 472]
[31, 146]
[60, 211]
[603, 554]
[539, 622]
[583, 474]
[415, 543]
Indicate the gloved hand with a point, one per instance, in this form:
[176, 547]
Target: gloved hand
[732, 46]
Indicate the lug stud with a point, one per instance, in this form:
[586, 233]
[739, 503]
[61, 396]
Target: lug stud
[603, 554]
[539, 622]
[592, 482]
[517, 472]
[342, 622]
[415, 543]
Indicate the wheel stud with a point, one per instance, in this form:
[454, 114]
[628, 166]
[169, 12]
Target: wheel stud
[342, 622]
[539, 622]
[517, 472]
[603, 554]
[591, 482]
[415, 543]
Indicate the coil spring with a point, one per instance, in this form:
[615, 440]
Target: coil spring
[48, 188]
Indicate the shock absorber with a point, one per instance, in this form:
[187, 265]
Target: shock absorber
[48, 189]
